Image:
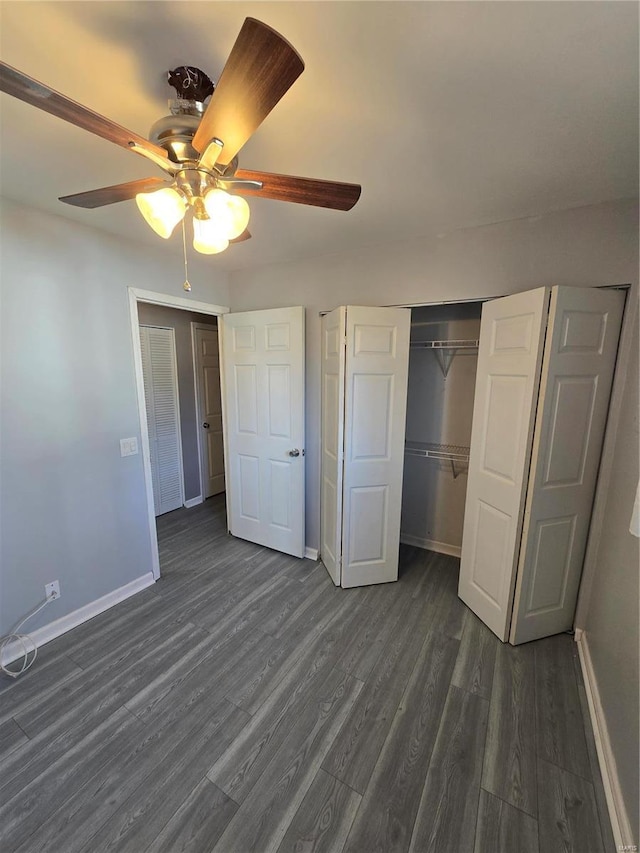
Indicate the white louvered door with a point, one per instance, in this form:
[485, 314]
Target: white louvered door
[163, 420]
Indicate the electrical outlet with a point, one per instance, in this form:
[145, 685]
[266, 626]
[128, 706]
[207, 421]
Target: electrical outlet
[52, 590]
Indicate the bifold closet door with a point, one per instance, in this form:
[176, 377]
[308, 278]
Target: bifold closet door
[332, 440]
[509, 358]
[159, 373]
[577, 373]
[376, 375]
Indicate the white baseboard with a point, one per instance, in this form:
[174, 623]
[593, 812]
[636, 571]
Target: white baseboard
[620, 824]
[60, 626]
[311, 554]
[193, 502]
[431, 545]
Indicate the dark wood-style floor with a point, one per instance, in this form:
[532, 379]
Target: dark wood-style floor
[245, 704]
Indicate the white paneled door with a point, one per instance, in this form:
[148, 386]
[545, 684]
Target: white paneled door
[159, 373]
[509, 358]
[209, 410]
[263, 403]
[333, 375]
[376, 372]
[578, 364]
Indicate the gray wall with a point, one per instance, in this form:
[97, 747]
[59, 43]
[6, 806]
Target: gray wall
[611, 623]
[180, 321]
[72, 508]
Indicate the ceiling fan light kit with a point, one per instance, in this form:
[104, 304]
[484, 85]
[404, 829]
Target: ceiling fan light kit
[197, 145]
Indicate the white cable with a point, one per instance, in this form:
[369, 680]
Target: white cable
[23, 640]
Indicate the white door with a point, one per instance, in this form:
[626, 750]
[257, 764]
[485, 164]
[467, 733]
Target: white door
[160, 378]
[509, 358]
[263, 404]
[209, 410]
[577, 372]
[376, 373]
[333, 370]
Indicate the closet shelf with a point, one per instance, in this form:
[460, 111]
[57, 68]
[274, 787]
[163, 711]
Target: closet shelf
[454, 453]
[444, 351]
[444, 344]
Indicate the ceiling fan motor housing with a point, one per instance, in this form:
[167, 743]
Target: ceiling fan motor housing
[175, 132]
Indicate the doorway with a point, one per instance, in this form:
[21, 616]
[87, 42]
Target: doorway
[141, 301]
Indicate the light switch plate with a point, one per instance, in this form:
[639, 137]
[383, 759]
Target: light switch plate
[128, 446]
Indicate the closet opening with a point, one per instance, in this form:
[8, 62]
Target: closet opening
[443, 360]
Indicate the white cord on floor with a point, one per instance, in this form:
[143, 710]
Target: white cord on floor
[23, 640]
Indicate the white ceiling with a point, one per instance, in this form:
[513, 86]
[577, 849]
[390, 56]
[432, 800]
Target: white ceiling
[450, 114]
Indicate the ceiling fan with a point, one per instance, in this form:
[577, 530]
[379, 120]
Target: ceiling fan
[198, 146]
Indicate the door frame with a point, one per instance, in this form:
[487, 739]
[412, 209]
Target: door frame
[155, 298]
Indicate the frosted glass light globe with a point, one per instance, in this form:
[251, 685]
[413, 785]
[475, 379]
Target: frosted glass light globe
[230, 211]
[162, 209]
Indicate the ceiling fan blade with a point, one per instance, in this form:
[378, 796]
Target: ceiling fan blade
[32, 92]
[246, 235]
[110, 195]
[261, 67]
[333, 194]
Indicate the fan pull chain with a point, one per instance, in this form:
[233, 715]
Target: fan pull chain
[186, 286]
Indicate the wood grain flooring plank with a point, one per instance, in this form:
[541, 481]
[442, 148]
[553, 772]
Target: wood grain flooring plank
[113, 687]
[32, 804]
[451, 614]
[262, 820]
[446, 819]
[242, 597]
[356, 749]
[202, 674]
[510, 758]
[45, 677]
[126, 769]
[283, 652]
[140, 819]
[476, 659]
[561, 738]
[323, 821]
[239, 768]
[568, 819]
[437, 579]
[386, 816]
[503, 829]
[198, 823]
[11, 737]
[363, 650]
[301, 597]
